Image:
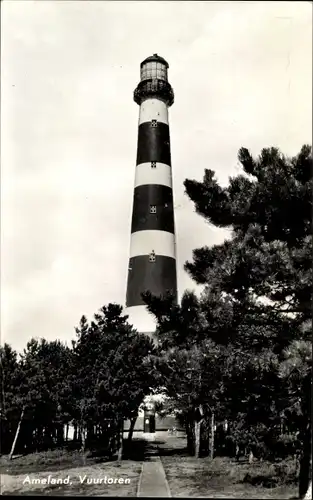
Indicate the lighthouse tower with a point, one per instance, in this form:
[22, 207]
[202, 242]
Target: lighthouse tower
[152, 262]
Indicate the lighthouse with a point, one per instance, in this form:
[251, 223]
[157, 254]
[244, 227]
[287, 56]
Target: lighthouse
[152, 259]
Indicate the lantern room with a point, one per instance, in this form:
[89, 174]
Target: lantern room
[154, 67]
[153, 81]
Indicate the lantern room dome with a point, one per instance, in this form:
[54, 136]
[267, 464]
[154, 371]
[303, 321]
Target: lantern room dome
[154, 58]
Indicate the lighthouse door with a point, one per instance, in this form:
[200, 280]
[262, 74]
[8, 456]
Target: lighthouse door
[149, 424]
[149, 419]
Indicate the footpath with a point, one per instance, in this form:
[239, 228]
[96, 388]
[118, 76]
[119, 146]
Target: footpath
[153, 482]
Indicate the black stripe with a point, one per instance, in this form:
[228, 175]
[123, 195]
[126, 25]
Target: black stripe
[149, 195]
[154, 143]
[157, 277]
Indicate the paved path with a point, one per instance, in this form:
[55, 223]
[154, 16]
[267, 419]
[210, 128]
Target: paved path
[153, 482]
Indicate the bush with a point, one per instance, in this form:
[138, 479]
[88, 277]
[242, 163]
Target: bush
[264, 480]
[272, 475]
[286, 445]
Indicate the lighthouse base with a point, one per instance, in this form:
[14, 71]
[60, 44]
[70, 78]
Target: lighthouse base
[145, 323]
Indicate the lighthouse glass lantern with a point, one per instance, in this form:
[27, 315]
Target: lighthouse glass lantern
[153, 70]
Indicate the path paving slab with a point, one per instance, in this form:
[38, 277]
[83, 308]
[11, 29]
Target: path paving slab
[153, 482]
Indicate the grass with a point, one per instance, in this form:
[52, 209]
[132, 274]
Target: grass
[60, 464]
[52, 460]
[224, 477]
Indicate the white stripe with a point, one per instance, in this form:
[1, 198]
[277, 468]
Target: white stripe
[161, 242]
[153, 109]
[160, 174]
[141, 319]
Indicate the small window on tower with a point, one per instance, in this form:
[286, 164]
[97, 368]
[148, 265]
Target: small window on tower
[152, 209]
[152, 256]
[154, 123]
[153, 164]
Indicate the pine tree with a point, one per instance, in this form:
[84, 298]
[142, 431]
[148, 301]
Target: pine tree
[296, 371]
[10, 404]
[112, 374]
[268, 209]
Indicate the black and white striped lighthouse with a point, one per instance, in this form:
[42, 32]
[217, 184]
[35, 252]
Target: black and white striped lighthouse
[152, 262]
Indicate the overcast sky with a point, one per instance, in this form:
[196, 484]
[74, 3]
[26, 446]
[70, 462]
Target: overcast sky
[242, 76]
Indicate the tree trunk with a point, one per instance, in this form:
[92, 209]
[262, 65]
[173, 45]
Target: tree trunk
[305, 473]
[60, 434]
[110, 445]
[111, 434]
[75, 432]
[17, 433]
[197, 438]
[120, 450]
[308, 495]
[83, 439]
[36, 438]
[190, 439]
[25, 438]
[90, 433]
[212, 436]
[39, 438]
[131, 428]
[52, 433]
[281, 426]
[104, 435]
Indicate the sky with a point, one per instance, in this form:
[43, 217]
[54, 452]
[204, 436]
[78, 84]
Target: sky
[242, 76]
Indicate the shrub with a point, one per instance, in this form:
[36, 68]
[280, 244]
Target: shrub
[272, 475]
